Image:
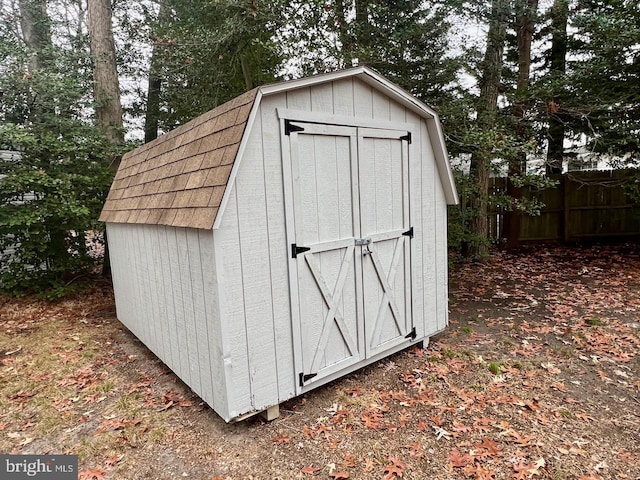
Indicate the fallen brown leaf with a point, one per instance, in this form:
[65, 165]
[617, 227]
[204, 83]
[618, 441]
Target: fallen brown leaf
[310, 470]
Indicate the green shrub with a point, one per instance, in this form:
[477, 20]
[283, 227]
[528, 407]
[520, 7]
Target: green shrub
[52, 189]
[50, 198]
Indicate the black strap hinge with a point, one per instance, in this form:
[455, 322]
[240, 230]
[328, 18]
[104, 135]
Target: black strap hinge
[412, 334]
[290, 127]
[296, 250]
[408, 233]
[406, 137]
[304, 378]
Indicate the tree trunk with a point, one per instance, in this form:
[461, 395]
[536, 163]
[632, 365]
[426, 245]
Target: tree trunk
[362, 48]
[486, 121]
[154, 86]
[36, 30]
[106, 87]
[346, 39]
[525, 26]
[556, 132]
[526, 12]
[152, 111]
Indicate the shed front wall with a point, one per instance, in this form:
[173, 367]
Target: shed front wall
[164, 285]
[252, 250]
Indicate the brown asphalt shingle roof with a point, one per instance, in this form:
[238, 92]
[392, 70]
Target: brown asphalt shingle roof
[179, 178]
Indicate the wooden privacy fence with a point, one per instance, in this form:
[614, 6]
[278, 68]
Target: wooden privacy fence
[583, 206]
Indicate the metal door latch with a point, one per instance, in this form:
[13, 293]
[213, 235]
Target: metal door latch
[364, 242]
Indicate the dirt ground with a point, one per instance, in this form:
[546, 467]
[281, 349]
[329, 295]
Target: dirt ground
[536, 377]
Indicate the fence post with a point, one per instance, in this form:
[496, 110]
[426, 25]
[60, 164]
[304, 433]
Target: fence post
[512, 218]
[566, 207]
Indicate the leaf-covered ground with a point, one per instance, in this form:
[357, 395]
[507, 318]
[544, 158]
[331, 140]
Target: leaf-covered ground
[537, 377]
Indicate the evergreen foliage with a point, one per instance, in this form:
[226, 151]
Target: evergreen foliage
[202, 47]
[604, 76]
[407, 41]
[52, 192]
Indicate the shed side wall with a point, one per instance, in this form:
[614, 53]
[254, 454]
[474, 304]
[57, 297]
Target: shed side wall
[442, 277]
[165, 285]
[427, 241]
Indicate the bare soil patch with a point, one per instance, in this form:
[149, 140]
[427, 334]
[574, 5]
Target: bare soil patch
[537, 377]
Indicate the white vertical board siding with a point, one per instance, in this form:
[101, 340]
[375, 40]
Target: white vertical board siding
[158, 305]
[138, 322]
[252, 256]
[429, 181]
[226, 240]
[200, 339]
[218, 395]
[278, 248]
[175, 352]
[178, 295]
[161, 276]
[322, 98]
[299, 99]
[442, 312]
[363, 100]
[256, 270]
[343, 99]
[149, 257]
[122, 283]
[189, 336]
[397, 113]
[381, 105]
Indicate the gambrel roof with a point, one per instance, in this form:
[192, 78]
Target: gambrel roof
[180, 178]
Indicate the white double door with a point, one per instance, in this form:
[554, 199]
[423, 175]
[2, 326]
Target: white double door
[350, 245]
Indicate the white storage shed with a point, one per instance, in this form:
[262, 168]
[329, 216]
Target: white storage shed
[285, 238]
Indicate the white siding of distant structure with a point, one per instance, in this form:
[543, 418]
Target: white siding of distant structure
[7, 156]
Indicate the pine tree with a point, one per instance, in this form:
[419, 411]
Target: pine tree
[487, 113]
[604, 76]
[206, 53]
[526, 12]
[555, 102]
